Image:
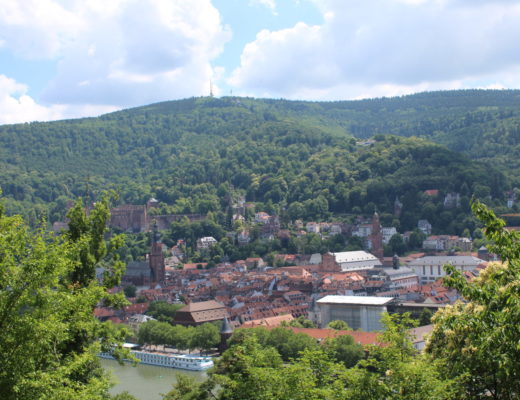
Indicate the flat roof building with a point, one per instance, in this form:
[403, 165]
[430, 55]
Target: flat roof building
[349, 261]
[431, 268]
[359, 312]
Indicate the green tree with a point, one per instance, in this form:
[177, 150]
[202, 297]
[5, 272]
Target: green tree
[163, 311]
[426, 317]
[302, 322]
[477, 340]
[130, 291]
[395, 370]
[416, 239]
[397, 244]
[288, 343]
[186, 388]
[123, 396]
[344, 349]
[236, 371]
[206, 337]
[48, 291]
[339, 325]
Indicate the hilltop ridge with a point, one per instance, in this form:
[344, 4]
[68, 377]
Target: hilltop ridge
[190, 153]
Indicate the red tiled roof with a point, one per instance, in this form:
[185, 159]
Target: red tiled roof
[363, 338]
[138, 308]
[193, 265]
[269, 321]
[101, 312]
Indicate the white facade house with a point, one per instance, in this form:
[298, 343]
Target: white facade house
[206, 242]
[447, 242]
[359, 312]
[362, 230]
[312, 227]
[424, 226]
[388, 233]
[335, 229]
[431, 268]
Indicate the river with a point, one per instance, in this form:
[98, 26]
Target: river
[146, 382]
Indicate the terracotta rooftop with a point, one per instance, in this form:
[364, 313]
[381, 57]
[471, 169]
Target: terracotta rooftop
[202, 306]
[363, 338]
[270, 321]
[194, 265]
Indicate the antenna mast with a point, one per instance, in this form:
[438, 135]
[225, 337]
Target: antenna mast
[210, 88]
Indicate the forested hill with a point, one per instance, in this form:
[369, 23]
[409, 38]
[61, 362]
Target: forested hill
[483, 124]
[194, 155]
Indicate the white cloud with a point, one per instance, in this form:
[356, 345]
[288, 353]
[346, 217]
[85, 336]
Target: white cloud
[384, 47]
[118, 52]
[270, 4]
[38, 28]
[17, 106]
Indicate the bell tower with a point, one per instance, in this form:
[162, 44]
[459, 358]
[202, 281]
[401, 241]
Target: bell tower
[377, 237]
[225, 333]
[156, 258]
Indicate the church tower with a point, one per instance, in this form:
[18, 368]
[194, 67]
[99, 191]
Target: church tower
[225, 333]
[156, 258]
[377, 237]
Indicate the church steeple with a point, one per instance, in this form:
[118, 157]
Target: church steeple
[377, 237]
[225, 333]
[156, 258]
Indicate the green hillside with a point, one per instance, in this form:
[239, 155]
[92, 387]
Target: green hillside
[296, 157]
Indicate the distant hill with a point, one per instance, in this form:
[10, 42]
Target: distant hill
[194, 155]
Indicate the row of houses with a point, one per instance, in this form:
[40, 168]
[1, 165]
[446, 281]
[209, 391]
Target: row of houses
[249, 293]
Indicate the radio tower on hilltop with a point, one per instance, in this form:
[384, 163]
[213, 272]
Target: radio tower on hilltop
[210, 88]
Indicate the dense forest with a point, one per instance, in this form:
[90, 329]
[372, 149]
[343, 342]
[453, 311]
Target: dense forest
[304, 159]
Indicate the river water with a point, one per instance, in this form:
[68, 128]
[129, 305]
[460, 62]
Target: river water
[146, 382]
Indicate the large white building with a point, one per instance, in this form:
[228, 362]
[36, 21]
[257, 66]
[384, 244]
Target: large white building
[431, 268]
[359, 312]
[350, 261]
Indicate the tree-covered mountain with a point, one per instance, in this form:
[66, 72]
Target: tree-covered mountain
[294, 157]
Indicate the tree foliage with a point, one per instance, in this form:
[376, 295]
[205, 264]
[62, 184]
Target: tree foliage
[48, 291]
[339, 325]
[193, 154]
[163, 311]
[251, 370]
[203, 337]
[477, 340]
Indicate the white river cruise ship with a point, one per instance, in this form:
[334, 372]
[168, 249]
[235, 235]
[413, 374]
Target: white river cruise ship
[165, 359]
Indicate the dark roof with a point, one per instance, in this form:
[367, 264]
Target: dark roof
[226, 327]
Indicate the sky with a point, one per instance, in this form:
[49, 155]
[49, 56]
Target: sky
[74, 58]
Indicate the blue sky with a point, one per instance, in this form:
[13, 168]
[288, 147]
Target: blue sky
[73, 58]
